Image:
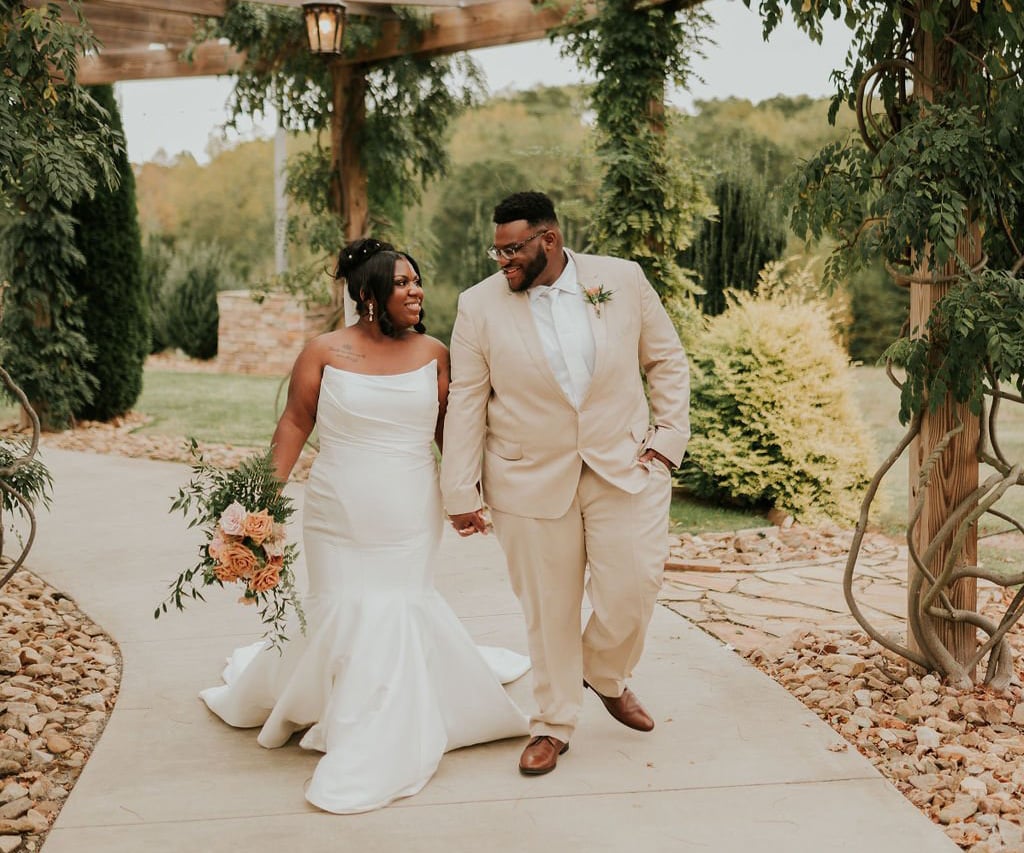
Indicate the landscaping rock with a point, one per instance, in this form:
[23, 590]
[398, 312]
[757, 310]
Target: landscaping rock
[65, 682]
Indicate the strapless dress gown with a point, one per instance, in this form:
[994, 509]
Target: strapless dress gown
[386, 679]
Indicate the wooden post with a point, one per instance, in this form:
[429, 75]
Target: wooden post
[349, 197]
[955, 474]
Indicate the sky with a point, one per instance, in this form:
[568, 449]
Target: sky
[184, 114]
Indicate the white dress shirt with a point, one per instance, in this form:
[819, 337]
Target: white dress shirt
[563, 323]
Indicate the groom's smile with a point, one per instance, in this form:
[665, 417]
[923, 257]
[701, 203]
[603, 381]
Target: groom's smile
[523, 264]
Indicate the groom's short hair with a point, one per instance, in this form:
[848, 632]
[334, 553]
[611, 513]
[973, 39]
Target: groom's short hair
[536, 208]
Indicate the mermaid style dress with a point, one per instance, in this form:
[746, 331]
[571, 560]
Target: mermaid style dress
[386, 679]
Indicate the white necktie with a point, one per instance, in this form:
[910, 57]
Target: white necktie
[567, 332]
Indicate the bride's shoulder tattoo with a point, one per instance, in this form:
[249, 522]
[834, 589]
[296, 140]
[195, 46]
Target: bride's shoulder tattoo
[347, 352]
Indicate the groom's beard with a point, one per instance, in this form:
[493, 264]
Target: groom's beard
[528, 272]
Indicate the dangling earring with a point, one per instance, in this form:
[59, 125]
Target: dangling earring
[369, 314]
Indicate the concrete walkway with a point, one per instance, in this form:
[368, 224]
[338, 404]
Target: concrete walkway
[735, 763]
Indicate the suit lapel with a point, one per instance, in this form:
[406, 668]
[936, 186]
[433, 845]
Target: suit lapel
[588, 275]
[518, 307]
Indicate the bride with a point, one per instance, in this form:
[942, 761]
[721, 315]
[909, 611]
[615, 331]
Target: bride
[386, 679]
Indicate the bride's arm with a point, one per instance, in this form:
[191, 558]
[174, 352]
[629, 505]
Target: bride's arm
[443, 379]
[299, 414]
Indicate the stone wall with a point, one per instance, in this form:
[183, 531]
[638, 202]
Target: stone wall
[262, 337]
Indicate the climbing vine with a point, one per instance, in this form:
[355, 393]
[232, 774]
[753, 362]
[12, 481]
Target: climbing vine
[934, 186]
[410, 103]
[57, 146]
[651, 199]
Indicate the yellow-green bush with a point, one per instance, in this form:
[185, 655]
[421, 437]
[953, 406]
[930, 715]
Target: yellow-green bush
[774, 422]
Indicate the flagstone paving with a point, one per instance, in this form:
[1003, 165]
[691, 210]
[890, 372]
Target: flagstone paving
[754, 586]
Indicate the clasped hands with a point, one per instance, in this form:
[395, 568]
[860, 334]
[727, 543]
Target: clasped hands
[468, 523]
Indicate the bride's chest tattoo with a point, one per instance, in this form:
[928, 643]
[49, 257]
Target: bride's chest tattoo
[346, 353]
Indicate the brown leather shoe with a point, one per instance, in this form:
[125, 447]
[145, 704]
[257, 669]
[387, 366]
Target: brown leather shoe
[627, 709]
[541, 755]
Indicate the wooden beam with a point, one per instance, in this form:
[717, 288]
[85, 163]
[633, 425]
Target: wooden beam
[349, 189]
[449, 31]
[954, 469]
[137, 28]
[211, 58]
[482, 25]
[208, 8]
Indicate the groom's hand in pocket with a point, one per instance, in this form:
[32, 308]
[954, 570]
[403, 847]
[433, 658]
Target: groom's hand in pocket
[648, 455]
[468, 523]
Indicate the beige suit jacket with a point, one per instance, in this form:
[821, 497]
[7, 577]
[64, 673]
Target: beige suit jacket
[510, 428]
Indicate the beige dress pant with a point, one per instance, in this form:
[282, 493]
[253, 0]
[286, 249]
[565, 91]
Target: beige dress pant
[623, 539]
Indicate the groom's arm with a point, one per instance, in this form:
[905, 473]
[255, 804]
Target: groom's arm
[466, 418]
[668, 376]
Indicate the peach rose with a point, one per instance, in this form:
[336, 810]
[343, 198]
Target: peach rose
[232, 520]
[224, 573]
[258, 526]
[265, 579]
[234, 561]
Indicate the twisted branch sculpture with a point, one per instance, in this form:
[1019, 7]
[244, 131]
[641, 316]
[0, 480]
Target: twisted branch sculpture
[942, 561]
[7, 472]
[929, 585]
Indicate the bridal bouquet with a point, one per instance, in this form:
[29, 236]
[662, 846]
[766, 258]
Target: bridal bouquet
[242, 511]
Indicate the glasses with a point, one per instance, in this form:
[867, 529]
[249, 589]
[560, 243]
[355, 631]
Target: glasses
[509, 252]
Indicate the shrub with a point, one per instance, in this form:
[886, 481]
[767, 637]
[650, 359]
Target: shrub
[42, 340]
[116, 303]
[190, 299]
[156, 262]
[772, 411]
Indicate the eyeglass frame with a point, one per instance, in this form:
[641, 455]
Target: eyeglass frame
[509, 252]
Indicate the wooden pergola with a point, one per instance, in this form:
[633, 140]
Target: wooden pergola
[144, 40]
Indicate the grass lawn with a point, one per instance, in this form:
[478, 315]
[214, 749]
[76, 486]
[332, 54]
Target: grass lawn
[213, 407]
[242, 411]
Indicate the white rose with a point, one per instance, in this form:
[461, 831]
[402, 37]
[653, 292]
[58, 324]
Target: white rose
[232, 520]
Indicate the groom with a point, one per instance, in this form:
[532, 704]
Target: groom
[547, 416]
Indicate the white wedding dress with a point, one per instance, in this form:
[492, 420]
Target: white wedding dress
[386, 679]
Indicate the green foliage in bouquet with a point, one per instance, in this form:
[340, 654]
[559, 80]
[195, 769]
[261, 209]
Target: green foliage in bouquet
[773, 418]
[243, 512]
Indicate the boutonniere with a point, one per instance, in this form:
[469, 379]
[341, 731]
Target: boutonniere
[596, 295]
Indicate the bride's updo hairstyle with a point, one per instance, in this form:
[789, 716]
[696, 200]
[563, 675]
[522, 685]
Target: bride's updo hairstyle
[368, 267]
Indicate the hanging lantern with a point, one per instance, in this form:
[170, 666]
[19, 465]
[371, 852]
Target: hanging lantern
[325, 26]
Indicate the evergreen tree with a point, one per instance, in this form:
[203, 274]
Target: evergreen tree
[55, 147]
[733, 248]
[116, 302]
[42, 340]
[188, 303]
